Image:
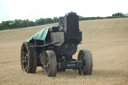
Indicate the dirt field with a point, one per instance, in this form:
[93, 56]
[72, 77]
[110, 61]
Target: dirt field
[107, 40]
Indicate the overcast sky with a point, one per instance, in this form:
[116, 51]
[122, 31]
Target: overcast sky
[35, 9]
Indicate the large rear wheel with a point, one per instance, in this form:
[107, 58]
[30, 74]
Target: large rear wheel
[28, 58]
[86, 57]
[49, 63]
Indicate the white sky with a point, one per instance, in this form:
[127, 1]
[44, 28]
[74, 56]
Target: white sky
[35, 9]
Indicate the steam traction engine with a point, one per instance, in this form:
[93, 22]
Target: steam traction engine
[52, 49]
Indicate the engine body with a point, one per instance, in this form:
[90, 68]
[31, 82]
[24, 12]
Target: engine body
[67, 33]
[62, 39]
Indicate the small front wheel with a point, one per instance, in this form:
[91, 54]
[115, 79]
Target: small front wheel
[86, 57]
[49, 63]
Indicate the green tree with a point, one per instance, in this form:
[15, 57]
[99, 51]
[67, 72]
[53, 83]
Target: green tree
[4, 25]
[119, 14]
[55, 19]
[48, 20]
[61, 18]
[40, 21]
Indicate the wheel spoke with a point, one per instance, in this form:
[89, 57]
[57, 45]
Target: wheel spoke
[26, 58]
[24, 61]
[46, 65]
[46, 58]
[24, 53]
[25, 68]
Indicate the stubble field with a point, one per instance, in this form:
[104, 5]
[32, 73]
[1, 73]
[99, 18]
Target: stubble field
[107, 40]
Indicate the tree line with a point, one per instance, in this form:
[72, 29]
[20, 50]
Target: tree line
[115, 15]
[27, 23]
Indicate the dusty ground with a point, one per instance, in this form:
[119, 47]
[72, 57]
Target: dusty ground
[107, 40]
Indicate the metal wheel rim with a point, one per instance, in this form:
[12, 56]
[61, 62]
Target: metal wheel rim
[24, 58]
[46, 63]
[81, 58]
